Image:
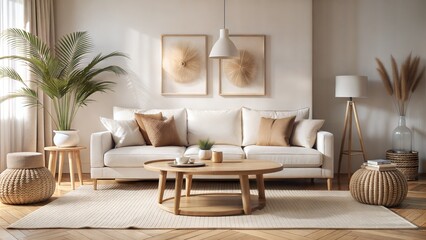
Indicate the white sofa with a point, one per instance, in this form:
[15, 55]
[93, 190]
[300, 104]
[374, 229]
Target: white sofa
[234, 133]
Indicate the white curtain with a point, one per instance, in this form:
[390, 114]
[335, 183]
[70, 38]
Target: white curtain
[21, 128]
[12, 112]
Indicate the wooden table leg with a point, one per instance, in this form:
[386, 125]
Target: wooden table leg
[161, 185]
[70, 160]
[61, 164]
[178, 189]
[52, 162]
[78, 162]
[245, 193]
[261, 190]
[188, 183]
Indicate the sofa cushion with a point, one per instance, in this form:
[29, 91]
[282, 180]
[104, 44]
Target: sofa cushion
[136, 156]
[124, 132]
[275, 132]
[305, 132]
[291, 157]
[138, 118]
[220, 126]
[162, 132]
[251, 121]
[178, 113]
[229, 151]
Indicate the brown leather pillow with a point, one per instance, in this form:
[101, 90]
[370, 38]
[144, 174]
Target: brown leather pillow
[162, 132]
[275, 132]
[138, 118]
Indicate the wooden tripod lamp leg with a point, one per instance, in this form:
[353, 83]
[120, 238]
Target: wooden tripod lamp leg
[342, 145]
[358, 127]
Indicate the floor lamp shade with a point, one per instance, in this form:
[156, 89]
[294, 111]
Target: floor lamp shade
[224, 47]
[351, 86]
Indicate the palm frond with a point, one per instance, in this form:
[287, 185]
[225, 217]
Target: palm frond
[28, 94]
[7, 72]
[71, 49]
[26, 43]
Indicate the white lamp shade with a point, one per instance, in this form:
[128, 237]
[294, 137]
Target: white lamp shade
[351, 86]
[224, 47]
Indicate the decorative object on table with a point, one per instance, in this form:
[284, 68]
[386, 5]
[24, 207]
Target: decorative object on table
[184, 64]
[73, 156]
[375, 186]
[245, 75]
[205, 152]
[217, 157]
[61, 73]
[25, 180]
[182, 160]
[224, 47]
[240, 71]
[403, 84]
[351, 87]
[407, 163]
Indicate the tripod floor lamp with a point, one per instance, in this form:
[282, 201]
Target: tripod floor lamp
[351, 87]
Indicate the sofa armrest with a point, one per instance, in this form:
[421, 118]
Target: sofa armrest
[325, 144]
[100, 143]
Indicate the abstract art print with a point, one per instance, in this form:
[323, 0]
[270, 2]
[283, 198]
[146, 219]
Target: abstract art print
[245, 75]
[184, 64]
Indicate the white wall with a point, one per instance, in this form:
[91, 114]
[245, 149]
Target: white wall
[135, 27]
[348, 35]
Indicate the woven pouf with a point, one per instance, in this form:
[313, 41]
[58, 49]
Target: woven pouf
[388, 188]
[26, 180]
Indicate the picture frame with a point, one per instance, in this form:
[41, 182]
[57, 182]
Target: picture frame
[184, 65]
[251, 81]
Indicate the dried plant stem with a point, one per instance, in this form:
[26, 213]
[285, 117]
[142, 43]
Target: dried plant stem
[404, 80]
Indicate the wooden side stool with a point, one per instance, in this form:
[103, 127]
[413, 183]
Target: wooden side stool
[73, 155]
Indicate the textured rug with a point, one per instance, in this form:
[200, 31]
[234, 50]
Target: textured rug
[133, 205]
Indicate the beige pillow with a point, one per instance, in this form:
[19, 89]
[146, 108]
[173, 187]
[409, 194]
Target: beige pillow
[139, 116]
[275, 132]
[124, 132]
[162, 132]
[305, 132]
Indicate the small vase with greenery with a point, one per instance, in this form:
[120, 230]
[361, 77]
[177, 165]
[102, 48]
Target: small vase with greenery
[205, 146]
[62, 73]
[401, 87]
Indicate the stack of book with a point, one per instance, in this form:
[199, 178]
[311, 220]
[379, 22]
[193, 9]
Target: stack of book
[379, 165]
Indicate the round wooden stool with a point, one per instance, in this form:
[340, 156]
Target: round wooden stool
[73, 155]
[25, 180]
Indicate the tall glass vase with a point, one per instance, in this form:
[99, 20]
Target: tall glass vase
[401, 137]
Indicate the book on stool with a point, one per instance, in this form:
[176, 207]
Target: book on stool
[379, 165]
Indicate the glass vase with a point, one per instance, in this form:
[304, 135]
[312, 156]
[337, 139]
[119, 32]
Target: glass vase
[401, 137]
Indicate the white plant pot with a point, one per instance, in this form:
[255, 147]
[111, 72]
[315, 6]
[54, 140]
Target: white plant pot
[68, 138]
[205, 154]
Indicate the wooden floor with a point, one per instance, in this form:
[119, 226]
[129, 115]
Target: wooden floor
[413, 209]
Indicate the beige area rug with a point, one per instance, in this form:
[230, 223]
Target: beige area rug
[133, 205]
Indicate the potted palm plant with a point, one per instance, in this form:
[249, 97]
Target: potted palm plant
[61, 72]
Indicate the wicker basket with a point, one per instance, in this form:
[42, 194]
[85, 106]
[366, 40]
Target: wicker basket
[387, 188]
[407, 163]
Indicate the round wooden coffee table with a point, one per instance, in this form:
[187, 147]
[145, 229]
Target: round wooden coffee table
[214, 204]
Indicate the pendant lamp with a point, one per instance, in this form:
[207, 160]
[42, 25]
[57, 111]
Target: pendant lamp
[224, 47]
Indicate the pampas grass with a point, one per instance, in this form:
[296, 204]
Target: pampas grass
[404, 80]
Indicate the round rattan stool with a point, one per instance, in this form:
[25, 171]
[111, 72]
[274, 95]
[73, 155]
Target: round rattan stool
[26, 180]
[388, 188]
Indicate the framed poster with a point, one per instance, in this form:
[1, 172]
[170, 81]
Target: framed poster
[246, 75]
[184, 64]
